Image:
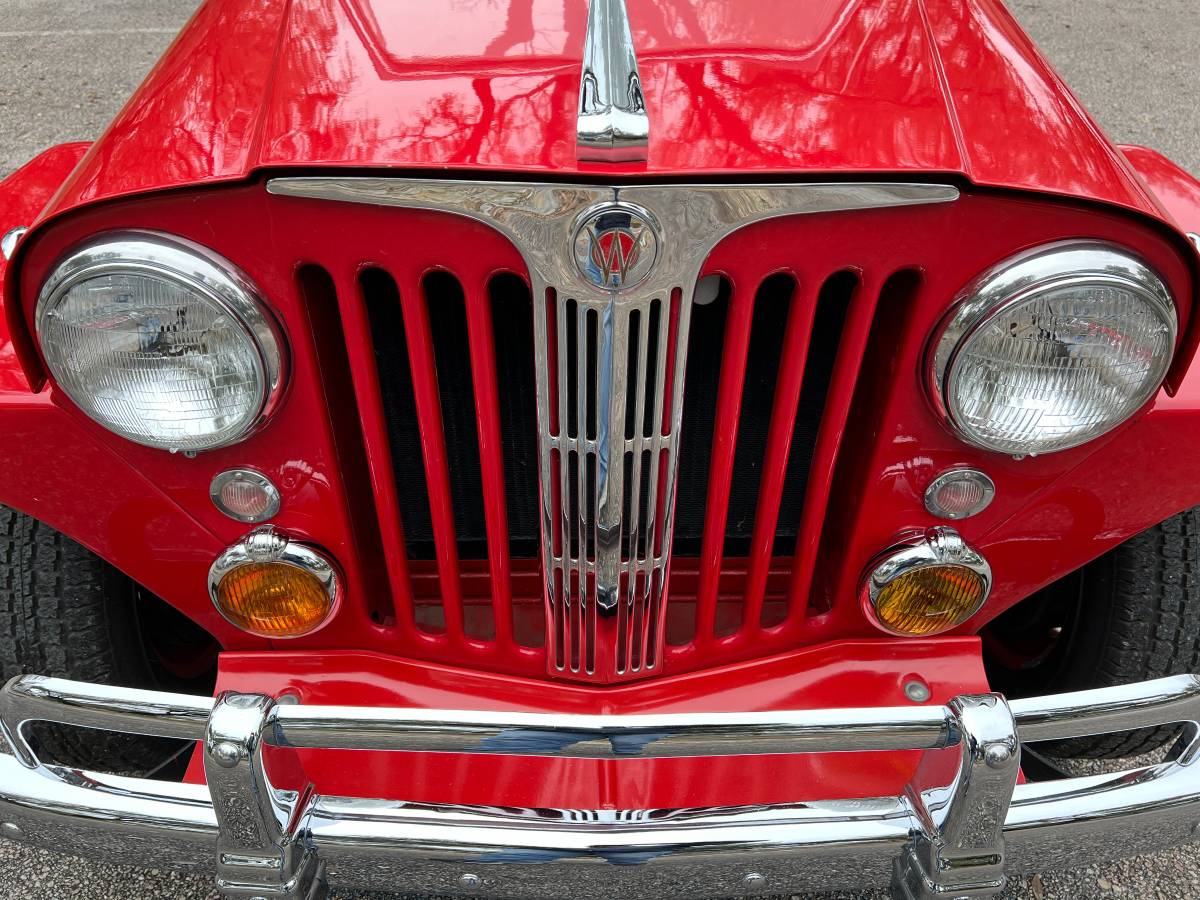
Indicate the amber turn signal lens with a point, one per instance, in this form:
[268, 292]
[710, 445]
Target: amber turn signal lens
[273, 599]
[929, 601]
[931, 584]
[271, 586]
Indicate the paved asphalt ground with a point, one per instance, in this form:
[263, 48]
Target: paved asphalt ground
[67, 65]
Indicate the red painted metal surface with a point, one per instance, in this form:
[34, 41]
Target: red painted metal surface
[491, 455]
[724, 444]
[23, 195]
[1176, 189]
[1050, 515]
[433, 439]
[878, 86]
[801, 312]
[837, 414]
[859, 673]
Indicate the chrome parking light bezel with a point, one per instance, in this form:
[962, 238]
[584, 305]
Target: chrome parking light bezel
[1016, 280]
[939, 546]
[951, 475]
[193, 267]
[253, 476]
[268, 544]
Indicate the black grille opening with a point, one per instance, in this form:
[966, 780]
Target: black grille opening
[512, 323]
[447, 309]
[705, 346]
[516, 386]
[382, 300]
[571, 355]
[833, 304]
[772, 303]
[702, 378]
[631, 371]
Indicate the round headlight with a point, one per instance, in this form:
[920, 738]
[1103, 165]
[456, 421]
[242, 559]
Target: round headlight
[160, 340]
[1053, 348]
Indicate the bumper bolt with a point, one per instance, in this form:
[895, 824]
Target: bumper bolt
[469, 881]
[754, 881]
[916, 690]
[226, 754]
[997, 755]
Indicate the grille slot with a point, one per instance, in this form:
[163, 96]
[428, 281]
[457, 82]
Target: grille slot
[512, 325]
[394, 373]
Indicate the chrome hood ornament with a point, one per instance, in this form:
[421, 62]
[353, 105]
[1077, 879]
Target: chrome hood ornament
[612, 125]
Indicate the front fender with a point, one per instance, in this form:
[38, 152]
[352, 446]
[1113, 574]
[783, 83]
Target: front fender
[1179, 193]
[23, 195]
[1175, 188]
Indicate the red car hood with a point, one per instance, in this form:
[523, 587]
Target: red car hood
[819, 88]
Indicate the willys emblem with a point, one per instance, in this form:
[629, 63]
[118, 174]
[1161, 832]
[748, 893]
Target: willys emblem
[616, 246]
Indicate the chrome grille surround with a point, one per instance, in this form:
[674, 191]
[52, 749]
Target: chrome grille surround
[605, 598]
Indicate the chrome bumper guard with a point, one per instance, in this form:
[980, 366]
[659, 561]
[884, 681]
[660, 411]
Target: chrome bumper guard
[961, 824]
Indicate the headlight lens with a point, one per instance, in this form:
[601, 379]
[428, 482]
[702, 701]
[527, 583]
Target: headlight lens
[1054, 348]
[160, 341]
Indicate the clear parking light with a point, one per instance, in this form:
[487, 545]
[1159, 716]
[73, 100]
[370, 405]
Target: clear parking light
[959, 493]
[1053, 348]
[245, 495]
[160, 341]
[274, 587]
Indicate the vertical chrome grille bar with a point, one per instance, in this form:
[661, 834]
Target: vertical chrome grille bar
[634, 444]
[579, 596]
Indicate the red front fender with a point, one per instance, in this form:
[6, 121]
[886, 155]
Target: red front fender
[23, 195]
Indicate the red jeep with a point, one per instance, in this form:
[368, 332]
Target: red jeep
[540, 450]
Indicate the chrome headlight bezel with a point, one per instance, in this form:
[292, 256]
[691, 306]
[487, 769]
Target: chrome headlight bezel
[1021, 278]
[192, 267]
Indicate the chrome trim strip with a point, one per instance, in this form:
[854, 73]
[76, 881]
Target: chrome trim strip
[8, 243]
[613, 125]
[544, 222]
[31, 698]
[933, 841]
[610, 737]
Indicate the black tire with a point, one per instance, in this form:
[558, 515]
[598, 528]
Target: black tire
[1130, 615]
[65, 612]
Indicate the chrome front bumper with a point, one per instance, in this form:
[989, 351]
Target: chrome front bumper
[962, 823]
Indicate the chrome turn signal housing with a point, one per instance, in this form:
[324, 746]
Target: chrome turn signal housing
[271, 586]
[926, 586]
